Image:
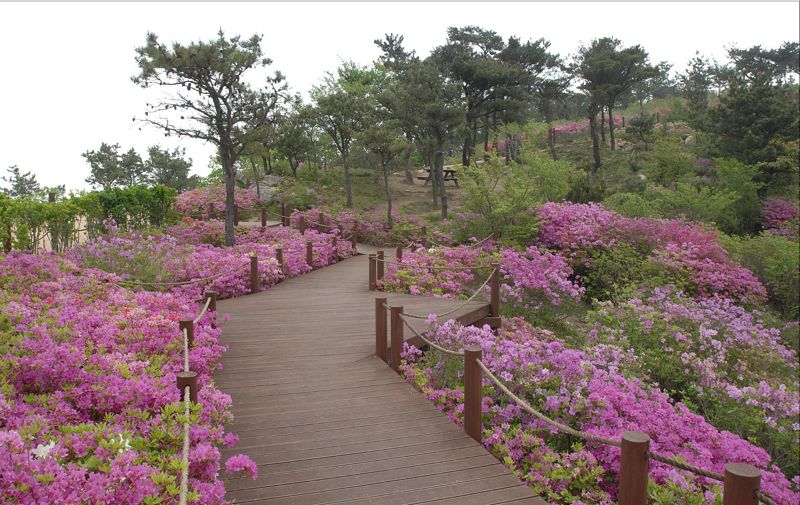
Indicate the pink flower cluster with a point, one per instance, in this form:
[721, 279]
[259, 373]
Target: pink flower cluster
[198, 202]
[88, 404]
[590, 394]
[574, 228]
[581, 126]
[780, 218]
[533, 277]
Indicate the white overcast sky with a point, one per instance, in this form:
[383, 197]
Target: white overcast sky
[66, 74]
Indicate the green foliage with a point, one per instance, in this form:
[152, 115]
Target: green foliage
[170, 168]
[776, 262]
[614, 274]
[631, 205]
[736, 177]
[672, 163]
[589, 188]
[110, 168]
[701, 203]
[641, 129]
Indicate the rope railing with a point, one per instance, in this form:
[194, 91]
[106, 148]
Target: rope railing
[427, 341]
[459, 307]
[203, 311]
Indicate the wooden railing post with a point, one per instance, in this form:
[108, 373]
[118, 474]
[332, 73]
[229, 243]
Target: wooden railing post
[494, 305]
[310, 253]
[188, 325]
[321, 219]
[397, 338]
[253, 274]
[372, 272]
[263, 217]
[212, 305]
[379, 270]
[633, 468]
[183, 379]
[235, 215]
[335, 244]
[380, 328]
[741, 483]
[424, 231]
[301, 224]
[354, 240]
[398, 254]
[279, 258]
[473, 392]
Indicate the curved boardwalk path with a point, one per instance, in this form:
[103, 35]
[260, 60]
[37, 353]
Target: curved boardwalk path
[327, 421]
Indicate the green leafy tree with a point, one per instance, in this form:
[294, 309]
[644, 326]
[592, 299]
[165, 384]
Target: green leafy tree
[341, 105]
[608, 71]
[695, 83]
[170, 168]
[385, 142]
[111, 168]
[210, 98]
[294, 140]
[21, 185]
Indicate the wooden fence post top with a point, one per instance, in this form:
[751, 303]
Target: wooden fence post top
[743, 470]
[635, 437]
[741, 483]
[186, 323]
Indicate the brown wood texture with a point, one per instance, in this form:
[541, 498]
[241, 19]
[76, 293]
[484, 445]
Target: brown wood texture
[326, 420]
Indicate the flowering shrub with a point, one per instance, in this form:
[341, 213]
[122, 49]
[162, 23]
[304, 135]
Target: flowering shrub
[581, 126]
[198, 202]
[88, 405]
[534, 276]
[716, 357]
[588, 392]
[578, 229]
[780, 218]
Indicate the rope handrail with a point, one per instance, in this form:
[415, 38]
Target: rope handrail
[431, 344]
[668, 460]
[526, 406]
[440, 268]
[202, 312]
[459, 307]
[476, 244]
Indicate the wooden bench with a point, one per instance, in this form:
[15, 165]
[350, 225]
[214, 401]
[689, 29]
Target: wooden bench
[449, 175]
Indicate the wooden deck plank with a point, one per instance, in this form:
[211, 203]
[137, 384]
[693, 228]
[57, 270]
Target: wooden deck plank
[328, 422]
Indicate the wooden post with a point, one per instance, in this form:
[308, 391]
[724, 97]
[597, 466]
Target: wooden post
[183, 379]
[398, 254]
[188, 325]
[473, 392]
[379, 268]
[494, 306]
[301, 224]
[279, 257]
[235, 215]
[263, 217]
[380, 328]
[397, 338]
[310, 253]
[658, 117]
[623, 121]
[372, 272]
[424, 231]
[253, 274]
[353, 240]
[633, 469]
[741, 483]
[51, 197]
[212, 305]
[321, 218]
[335, 244]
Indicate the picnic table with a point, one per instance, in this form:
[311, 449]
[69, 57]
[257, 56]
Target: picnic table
[448, 172]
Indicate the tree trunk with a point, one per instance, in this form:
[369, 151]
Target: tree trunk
[595, 138]
[388, 194]
[439, 157]
[611, 127]
[348, 183]
[230, 187]
[602, 125]
[551, 141]
[465, 150]
[255, 178]
[434, 179]
[407, 164]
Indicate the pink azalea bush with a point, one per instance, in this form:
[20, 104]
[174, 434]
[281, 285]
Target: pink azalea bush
[780, 218]
[532, 277]
[581, 126]
[88, 405]
[589, 392]
[717, 357]
[199, 202]
[577, 229]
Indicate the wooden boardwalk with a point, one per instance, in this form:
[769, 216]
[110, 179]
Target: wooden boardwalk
[326, 420]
